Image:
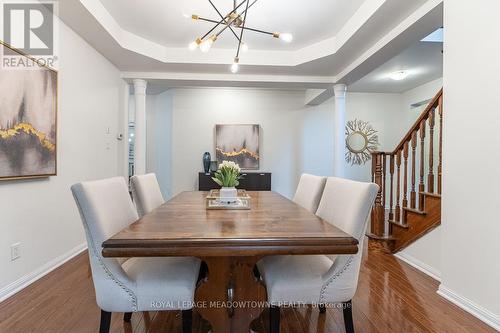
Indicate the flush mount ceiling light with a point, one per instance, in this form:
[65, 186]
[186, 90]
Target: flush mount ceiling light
[233, 21]
[399, 75]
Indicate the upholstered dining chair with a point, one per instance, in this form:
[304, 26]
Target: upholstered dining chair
[137, 284]
[319, 279]
[309, 190]
[146, 193]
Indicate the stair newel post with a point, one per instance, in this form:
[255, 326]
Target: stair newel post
[398, 185]
[430, 177]
[391, 190]
[440, 111]
[413, 193]
[377, 216]
[421, 185]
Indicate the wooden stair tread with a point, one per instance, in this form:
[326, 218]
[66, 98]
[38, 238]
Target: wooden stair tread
[384, 238]
[414, 210]
[435, 195]
[398, 224]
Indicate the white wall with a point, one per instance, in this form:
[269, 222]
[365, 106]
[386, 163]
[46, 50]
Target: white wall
[384, 113]
[279, 113]
[294, 138]
[41, 214]
[470, 223]
[418, 94]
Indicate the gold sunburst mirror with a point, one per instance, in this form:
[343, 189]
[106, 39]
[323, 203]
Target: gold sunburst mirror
[361, 141]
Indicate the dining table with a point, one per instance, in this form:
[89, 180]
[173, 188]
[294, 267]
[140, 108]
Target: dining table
[230, 243]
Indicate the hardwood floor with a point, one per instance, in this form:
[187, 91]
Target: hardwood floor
[391, 297]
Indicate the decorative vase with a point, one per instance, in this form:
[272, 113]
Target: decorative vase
[206, 162]
[228, 193]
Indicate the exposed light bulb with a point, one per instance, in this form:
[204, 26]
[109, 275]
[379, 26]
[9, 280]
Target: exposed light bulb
[235, 66]
[399, 75]
[207, 44]
[244, 47]
[185, 15]
[194, 45]
[286, 37]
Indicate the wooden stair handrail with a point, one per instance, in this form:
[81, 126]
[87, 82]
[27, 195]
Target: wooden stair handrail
[410, 149]
[433, 104]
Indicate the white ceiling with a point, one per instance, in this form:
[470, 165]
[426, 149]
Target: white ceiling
[334, 40]
[163, 21]
[423, 61]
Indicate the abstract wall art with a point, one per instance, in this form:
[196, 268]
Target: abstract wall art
[28, 121]
[238, 143]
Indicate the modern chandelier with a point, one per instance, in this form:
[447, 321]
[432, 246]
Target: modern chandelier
[234, 20]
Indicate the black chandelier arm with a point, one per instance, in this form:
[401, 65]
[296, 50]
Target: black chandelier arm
[242, 30]
[246, 28]
[223, 18]
[231, 22]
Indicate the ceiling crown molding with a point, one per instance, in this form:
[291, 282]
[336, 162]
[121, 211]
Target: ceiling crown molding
[148, 48]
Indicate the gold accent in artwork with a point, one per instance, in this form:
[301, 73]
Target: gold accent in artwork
[30, 130]
[242, 151]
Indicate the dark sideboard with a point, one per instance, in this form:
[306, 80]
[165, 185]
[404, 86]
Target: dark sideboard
[251, 181]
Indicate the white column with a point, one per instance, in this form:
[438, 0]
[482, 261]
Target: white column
[140, 127]
[339, 131]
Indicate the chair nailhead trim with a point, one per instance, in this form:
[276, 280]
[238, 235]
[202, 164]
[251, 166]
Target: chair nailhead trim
[133, 297]
[335, 276]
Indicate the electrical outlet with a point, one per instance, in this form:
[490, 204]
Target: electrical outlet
[15, 251]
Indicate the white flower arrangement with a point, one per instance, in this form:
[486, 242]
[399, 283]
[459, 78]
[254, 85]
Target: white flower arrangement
[228, 174]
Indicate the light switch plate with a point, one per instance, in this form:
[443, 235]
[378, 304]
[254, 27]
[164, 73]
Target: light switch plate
[15, 251]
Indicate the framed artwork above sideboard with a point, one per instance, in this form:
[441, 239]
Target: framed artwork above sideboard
[238, 143]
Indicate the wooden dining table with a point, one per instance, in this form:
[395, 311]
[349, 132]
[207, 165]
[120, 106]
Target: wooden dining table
[230, 242]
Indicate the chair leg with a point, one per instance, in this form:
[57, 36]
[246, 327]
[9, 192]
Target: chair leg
[127, 316]
[187, 320]
[322, 308]
[274, 319]
[348, 322]
[105, 322]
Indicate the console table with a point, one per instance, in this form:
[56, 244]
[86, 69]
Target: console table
[251, 181]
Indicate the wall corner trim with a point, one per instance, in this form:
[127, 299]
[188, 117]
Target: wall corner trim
[24, 281]
[474, 309]
[420, 265]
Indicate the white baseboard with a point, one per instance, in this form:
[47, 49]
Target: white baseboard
[28, 279]
[421, 266]
[474, 309]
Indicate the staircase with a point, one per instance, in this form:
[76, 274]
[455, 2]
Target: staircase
[405, 210]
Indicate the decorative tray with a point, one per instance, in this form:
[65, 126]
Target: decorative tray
[214, 194]
[236, 204]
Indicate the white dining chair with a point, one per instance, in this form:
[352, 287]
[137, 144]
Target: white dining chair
[309, 190]
[319, 279]
[137, 284]
[146, 193]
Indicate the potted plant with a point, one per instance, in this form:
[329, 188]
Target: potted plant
[227, 176]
